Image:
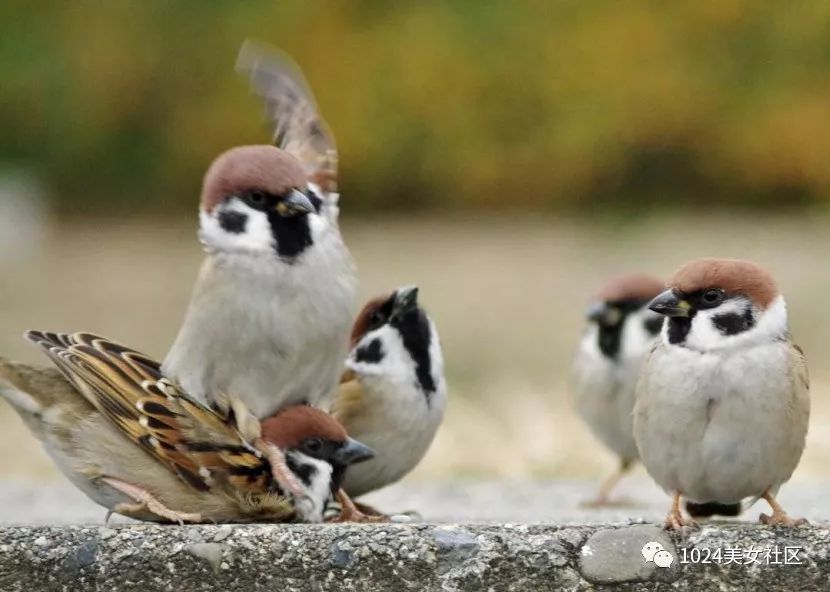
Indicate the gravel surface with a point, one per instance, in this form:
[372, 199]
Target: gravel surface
[480, 535]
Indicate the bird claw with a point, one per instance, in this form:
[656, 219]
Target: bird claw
[349, 512]
[359, 517]
[676, 521]
[781, 519]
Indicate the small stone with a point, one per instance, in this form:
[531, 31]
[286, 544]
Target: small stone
[222, 534]
[84, 556]
[210, 552]
[341, 554]
[40, 541]
[454, 547]
[615, 555]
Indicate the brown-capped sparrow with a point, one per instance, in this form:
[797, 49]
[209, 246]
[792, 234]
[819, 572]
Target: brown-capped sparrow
[621, 330]
[139, 446]
[393, 393]
[271, 310]
[723, 398]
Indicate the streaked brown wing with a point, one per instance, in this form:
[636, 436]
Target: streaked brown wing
[291, 110]
[128, 387]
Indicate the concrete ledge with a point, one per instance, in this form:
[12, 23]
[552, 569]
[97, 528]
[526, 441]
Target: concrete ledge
[401, 557]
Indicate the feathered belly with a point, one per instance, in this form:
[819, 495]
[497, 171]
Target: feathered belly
[720, 437]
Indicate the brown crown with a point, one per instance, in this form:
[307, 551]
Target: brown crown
[633, 286]
[731, 275]
[248, 168]
[294, 424]
[361, 323]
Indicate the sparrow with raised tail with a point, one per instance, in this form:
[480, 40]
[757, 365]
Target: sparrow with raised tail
[393, 393]
[723, 398]
[271, 310]
[139, 446]
[621, 330]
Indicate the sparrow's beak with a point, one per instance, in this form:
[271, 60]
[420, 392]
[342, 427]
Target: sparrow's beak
[406, 299]
[670, 304]
[353, 452]
[603, 313]
[293, 204]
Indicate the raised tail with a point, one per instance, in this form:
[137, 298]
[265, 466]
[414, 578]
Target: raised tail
[709, 509]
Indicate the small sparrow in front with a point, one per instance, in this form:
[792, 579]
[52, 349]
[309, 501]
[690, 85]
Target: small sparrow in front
[393, 393]
[271, 310]
[723, 398]
[137, 445]
[621, 330]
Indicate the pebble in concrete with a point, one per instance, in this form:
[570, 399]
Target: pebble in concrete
[210, 552]
[615, 555]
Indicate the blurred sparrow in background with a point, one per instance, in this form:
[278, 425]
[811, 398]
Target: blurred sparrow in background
[723, 399]
[621, 330]
[271, 309]
[139, 446]
[393, 393]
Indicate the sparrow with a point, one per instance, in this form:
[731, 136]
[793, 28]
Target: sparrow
[723, 398]
[136, 444]
[270, 314]
[393, 393]
[621, 330]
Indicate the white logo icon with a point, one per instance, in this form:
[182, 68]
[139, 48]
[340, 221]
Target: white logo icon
[654, 552]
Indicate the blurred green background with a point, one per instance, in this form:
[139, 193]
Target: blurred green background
[506, 156]
[548, 104]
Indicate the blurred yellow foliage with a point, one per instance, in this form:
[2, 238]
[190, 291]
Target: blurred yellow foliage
[532, 103]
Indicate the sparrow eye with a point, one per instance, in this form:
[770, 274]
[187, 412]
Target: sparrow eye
[376, 319]
[712, 297]
[256, 199]
[313, 446]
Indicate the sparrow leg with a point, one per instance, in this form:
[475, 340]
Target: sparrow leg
[603, 498]
[675, 519]
[280, 471]
[350, 513]
[145, 501]
[779, 516]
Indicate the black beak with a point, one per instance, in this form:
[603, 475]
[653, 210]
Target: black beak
[352, 452]
[670, 304]
[406, 300]
[293, 204]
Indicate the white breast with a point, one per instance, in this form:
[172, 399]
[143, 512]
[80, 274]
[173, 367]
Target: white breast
[272, 334]
[718, 426]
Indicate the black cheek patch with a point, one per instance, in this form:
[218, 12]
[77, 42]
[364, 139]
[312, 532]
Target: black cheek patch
[304, 472]
[371, 353]
[734, 323]
[233, 222]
